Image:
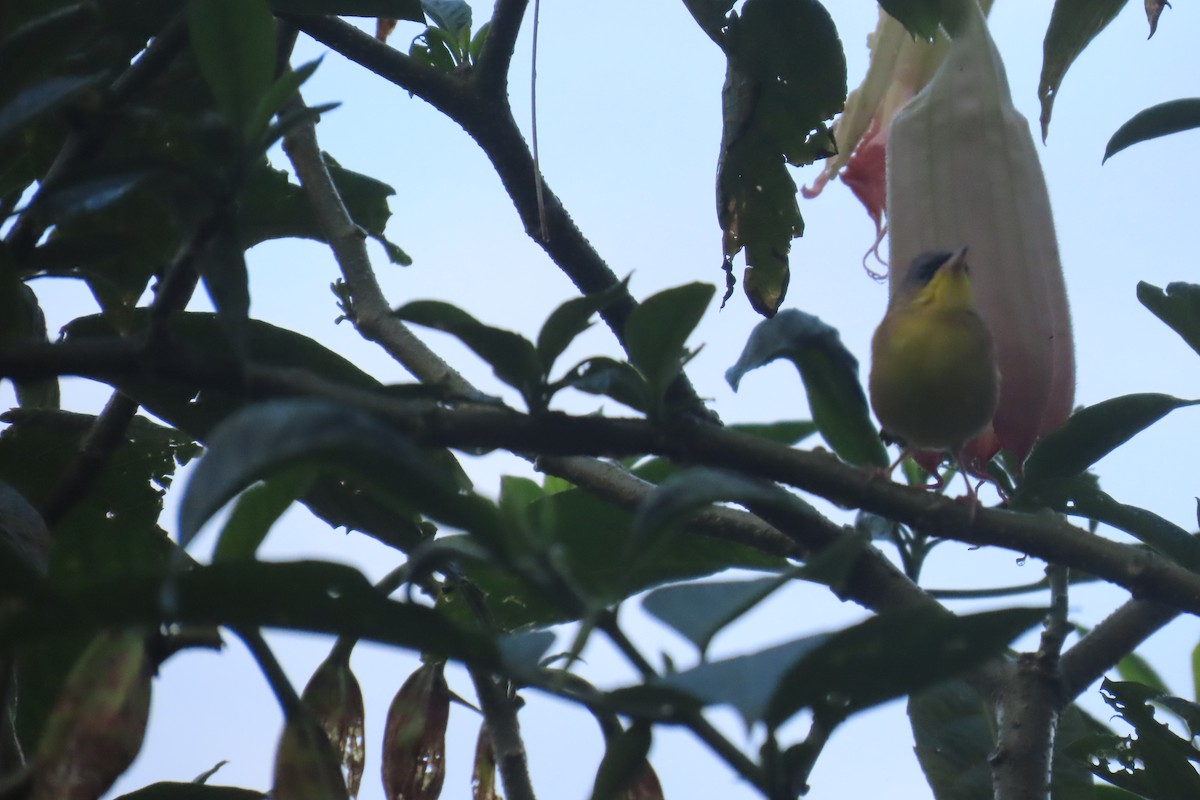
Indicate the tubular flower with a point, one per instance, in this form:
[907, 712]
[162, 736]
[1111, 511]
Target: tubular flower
[963, 171]
[900, 67]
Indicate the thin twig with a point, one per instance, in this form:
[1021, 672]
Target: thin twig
[289, 700]
[1057, 625]
[533, 132]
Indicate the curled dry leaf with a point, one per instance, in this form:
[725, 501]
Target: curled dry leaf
[97, 725]
[334, 696]
[414, 738]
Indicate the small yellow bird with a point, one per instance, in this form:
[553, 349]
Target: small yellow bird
[934, 381]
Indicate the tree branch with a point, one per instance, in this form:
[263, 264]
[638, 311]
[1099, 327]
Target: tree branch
[491, 72]
[372, 314]
[1105, 645]
[1027, 712]
[1146, 574]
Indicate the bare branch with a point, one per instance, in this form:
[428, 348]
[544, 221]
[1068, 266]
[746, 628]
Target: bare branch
[372, 314]
[1108, 642]
[494, 61]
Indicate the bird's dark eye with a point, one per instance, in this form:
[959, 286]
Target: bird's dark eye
[926, 265]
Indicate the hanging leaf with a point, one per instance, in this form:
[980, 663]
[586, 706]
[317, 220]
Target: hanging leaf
[1160, 120]
[483, 774]
[830, 375]
[921, 18]
[1073, 25]
[1178, 306]
[785, 79]
[624, 760]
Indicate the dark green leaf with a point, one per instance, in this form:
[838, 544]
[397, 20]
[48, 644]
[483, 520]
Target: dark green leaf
[258, 509]
[172, 790]
[624, 758]
[589, 539]
[310, 596]
[511, 356]
[658, 329]
[568, 321]
[885, 657]
[1179, 307]
[894, 654]
[450, 15]
[222, 264]
[785, 78]
[711, 15]
[234, 43]
[1073, 25]
[22, 320]
[701, 610]
[41, 97]
[1196, 672]
[830, 375]
[278, 94]
[680, 496]
[89, 195]
[389, 9]
[24, 541]
[921, 18]
[1160, 120]
[366, 200]
[1093, 432]
[1155, 762]
[263, 438]
[1162, 535]
[610, 378]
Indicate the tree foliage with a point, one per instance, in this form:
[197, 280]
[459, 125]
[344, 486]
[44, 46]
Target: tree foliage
[138, 153]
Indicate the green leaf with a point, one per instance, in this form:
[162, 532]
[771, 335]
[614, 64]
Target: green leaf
[921, 18]
[658, 329]
[308, 596]
[624, 758]
[278, 94]
[23, 544]
[1178, 306]
[1133, 667]
[589, 539]
[22, 320]
[1163, 119]
[953, 727]
[1162, 535]
[234, 43]
[450, 15]
[568, 321]
[611, 378]
[1093, 432]
[40, 98]
[699, 611]
[272, 207]
[1073, 25]
[512, 357]
[221, 263]
[830, 375]
[257, 510]
[266, 437]
[885, 657]
[366, 200]
[785, 78]
[1154, 762]
[389, 9]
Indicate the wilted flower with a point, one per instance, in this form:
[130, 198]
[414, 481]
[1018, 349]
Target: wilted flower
[962, 170]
